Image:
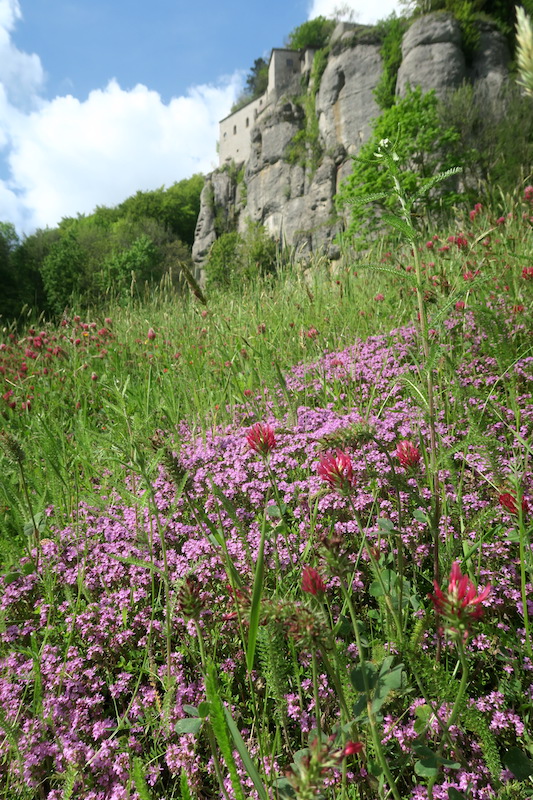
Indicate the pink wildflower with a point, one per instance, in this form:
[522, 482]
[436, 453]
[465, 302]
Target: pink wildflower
[337, 471]
[508, 501]
[312, 583]
[460, 604]
[261, 438]
[407, 454]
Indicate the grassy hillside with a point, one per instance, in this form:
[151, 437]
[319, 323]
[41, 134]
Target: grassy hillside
[277, 545]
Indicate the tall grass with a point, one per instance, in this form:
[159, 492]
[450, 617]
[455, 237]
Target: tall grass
[187, 614]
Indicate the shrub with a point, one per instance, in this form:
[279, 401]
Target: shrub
[314, 33]
[424, 145]
[63, 272]
[225, 260]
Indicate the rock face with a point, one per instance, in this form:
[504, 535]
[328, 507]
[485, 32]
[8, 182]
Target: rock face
[293, 197]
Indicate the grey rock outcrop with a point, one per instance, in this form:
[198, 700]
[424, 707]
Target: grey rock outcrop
[432, 57]
[294, 197]
[345, 102]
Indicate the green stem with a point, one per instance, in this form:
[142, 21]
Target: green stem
[316, 696]
[375, 733]
[456, 706]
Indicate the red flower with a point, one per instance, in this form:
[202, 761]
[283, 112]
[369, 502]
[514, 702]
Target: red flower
[528, 193]
[312, 583]
[151, 334]
[508, 501]
[352, 748]
[407, 454]
[336, 469]
[261, 438]
[460, 603]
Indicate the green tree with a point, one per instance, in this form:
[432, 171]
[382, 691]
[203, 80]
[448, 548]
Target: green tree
[425, 147]
[138, 264]
[256, 84]
[224, 262]
[314, 33]
[176, 207]
[257, 80]
[63, 272]
[10, 296]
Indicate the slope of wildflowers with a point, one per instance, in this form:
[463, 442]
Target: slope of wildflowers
[253, 608]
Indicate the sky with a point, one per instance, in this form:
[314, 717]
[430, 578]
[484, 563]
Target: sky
[102, 98]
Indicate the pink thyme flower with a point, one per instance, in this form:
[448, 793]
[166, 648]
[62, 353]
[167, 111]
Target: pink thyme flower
[508, 501]
[337, 471]
[528, 193]
[460, 604]
[261, 438]
[312, 583]
[407, 454]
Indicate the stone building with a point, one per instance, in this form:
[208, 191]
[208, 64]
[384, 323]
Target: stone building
[285, 70]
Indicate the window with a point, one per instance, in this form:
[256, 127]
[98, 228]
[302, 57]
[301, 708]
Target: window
[234, 130]
[289, 62]
[247, 122]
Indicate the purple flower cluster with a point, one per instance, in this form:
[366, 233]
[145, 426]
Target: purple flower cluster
[97, 667]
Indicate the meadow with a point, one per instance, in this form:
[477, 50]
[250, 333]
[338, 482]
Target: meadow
[278, 543]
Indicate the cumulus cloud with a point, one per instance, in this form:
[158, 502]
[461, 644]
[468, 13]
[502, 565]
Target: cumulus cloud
[66, 156]
[21, 74]
[360, 11]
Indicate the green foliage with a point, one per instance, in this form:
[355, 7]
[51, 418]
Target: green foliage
[314, 33]
[305, 147]
[424, 146]
[176, 208]
[63, 272]
[139, 263]
[218, 723]
[256, 84]
[236, 259]
[224, 260]
[8, 276]
[465, 11]
[486, 128]
[391, 31]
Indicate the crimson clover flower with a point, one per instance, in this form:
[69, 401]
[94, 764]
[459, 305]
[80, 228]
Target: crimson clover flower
[337, 471]
[352, 748]
[261, 438]
[407, 454]
[508, 501]
[460, 604]
[312, 583]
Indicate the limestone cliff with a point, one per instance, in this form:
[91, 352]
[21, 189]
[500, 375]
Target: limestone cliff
[294, 199]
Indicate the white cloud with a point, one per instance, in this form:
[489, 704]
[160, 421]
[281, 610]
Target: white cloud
[364, 12]
[21, 74]
[69, 156]
[66, 156]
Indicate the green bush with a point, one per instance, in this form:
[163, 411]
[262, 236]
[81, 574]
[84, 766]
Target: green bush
[391, 31]
[487, 127]
[224, 261]
[138, 264]
[425, 146]
[314, 33]
[63, 272]
[235, 259]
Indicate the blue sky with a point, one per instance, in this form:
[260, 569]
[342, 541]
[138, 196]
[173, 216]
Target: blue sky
[100, 99]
